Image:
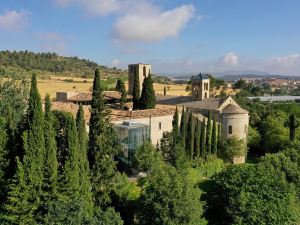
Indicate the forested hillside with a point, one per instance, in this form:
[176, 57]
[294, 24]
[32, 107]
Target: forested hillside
[25, 62]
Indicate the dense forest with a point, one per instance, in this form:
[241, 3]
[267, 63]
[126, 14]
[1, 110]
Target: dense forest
[26, 62]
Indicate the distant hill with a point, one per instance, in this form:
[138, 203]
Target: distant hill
[46, 64]
[237, 77]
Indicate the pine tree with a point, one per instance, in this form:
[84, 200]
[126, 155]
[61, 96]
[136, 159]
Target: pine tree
[50, 182]
[197, 139]
[208, 134]
[148, 99]
[203, 138]
[190, 137]
[175, 129]
[136, 94]
[103, 145]
[214, 138]
[84, 170]
[183, 127]
[165, 90]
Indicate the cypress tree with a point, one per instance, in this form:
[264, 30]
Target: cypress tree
[120, 87]
[3, 157]
[197, 139]
[214, 138]
[103, 145]
[25, 189]
[293, 125]
[165, 90]
[17, 209]
[190, 137]
[84, 170]
[175, 130]
[219, 135]
[50, 176]
[70, 182]
[203, 138]
[148, 99]
[34, 148]
[208, 134]
[183, 127]
[136, 92]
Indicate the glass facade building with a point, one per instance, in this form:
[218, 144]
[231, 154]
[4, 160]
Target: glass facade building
[131, 135]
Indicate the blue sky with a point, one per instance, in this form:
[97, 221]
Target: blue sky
[175, 36]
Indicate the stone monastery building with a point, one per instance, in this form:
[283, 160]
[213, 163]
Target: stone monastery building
[134, 127]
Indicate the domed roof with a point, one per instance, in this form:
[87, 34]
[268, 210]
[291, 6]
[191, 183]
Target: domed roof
[200, 76]
[233, 109]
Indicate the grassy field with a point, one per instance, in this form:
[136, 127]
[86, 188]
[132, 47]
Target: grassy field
[55, 84]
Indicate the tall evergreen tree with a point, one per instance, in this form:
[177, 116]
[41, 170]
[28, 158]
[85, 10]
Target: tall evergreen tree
[214, 138]
[175, 129]
[50, 182]
[190, 137]
[103, 145]
[148, 99]
[17, 208]
[25, 190]
[203, 138]
[84, 170]
[208, 134]
[165, 90]
[136, 93]
[183, 127]
[219, 135]
[70, 182]
[120, 87]
[3, 157]
[197, 139]
[34, 149]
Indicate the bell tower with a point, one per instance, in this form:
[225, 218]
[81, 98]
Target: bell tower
[200, 87]
[139, 69]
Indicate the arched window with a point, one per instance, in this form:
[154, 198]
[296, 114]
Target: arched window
[144, 71]
[230, 129]
[205, 95]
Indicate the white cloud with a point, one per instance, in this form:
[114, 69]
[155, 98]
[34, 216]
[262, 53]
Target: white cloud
[138, 20]
[233, 64]
[231, 59]
[14, 20]
[292, 59]
[152, 24]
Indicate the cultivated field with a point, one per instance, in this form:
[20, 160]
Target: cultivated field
[55, 84]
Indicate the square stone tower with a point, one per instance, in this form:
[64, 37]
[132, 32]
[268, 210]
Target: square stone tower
[200, 87]
[139, 69]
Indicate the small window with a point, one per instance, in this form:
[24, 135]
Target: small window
[230, 130]
[144, 71]
[205, 95]
[159, 126]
